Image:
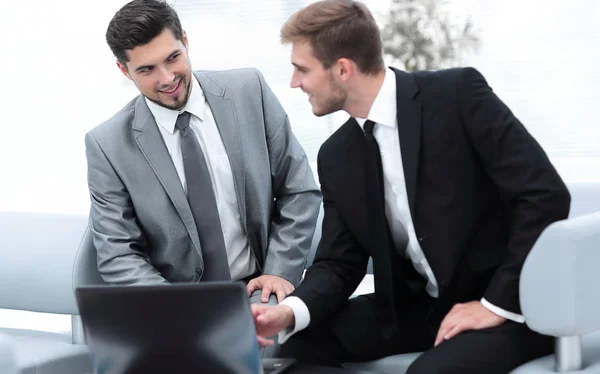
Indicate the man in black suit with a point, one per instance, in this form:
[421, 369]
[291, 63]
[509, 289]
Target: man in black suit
[436, 180]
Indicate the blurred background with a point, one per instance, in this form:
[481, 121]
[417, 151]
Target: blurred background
[60, 80]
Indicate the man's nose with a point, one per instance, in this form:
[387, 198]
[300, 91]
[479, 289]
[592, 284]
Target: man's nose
[294, 82]
[166, 77]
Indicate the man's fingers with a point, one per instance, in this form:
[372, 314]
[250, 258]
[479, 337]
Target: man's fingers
[252, 286]
[454, 331]
[289, 288]
[440, 336]
[255, 311]
[264, 318]
[263, 342]
[266, 292]
[258, 310]
[270, 322]
[281, 294]
[446, 325]
[451, 330]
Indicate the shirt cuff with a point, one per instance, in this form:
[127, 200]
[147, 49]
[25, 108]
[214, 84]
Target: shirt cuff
[502, 313]
[301, 315]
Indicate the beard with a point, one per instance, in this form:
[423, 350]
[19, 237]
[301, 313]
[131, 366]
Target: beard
[334, 102]
[181, 100]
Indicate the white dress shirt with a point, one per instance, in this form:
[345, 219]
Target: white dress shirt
[241, 259]
[397, 211]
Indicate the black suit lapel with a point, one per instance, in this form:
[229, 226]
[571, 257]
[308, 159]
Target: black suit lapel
[409, 131]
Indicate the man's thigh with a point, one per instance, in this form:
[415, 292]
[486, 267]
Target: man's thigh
[353, 335]
[357, 327]
[496, 350]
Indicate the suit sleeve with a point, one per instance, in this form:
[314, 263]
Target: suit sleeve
[340, 263]
[116, 234]
[296, 195]
[523, 174]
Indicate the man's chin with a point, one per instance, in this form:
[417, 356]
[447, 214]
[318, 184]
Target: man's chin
[173, 105]
[319, 112]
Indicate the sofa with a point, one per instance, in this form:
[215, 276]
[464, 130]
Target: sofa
[43, 257]
[563, 263]
[37, 257]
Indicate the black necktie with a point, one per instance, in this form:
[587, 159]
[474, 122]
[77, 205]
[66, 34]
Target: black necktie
[203, 204]
[384, 261]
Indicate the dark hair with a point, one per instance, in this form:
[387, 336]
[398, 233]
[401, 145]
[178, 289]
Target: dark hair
[137, 23]
[338, 29]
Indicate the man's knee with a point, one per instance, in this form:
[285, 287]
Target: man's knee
[314, 346]
[422, 365]
[300, 346]
[256, 296]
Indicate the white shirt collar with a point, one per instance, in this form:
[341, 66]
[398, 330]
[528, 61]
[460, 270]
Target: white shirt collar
[166, 118]
[383, 111]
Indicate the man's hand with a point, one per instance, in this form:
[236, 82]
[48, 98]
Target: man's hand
[269, 320]
[270, 284]
[469, 316]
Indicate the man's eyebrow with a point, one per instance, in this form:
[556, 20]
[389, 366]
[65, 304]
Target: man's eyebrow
[138, 69]
[173, 54]
[299, 66]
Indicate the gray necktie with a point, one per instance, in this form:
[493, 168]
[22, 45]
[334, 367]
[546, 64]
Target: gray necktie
[203, 204]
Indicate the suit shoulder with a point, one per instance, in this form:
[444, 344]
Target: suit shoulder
[451, 73]
[339, 139]
[234, 77]
[117, 123]
[445, 77]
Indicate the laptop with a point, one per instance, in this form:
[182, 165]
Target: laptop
[179, 328]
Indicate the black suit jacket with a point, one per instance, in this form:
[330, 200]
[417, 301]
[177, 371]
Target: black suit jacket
[480, 190]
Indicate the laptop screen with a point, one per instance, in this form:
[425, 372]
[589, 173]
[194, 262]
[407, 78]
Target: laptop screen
[203, 328]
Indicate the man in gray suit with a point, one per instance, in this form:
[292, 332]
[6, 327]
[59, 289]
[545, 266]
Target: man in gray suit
[199, 177]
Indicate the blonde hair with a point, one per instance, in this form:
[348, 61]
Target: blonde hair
[337, 29]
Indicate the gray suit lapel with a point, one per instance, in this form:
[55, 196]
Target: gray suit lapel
[228, 125]
[154, 149]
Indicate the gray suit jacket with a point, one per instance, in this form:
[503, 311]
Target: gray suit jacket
[142, 224]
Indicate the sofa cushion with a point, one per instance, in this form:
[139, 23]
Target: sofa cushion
[396, 364]
[38, 352]
[8, 363]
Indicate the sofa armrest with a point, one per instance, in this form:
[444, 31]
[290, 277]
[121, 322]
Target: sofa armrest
[558, 285]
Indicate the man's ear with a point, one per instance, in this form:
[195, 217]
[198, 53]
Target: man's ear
[124, 70]
[185, 39]
[345, 69]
